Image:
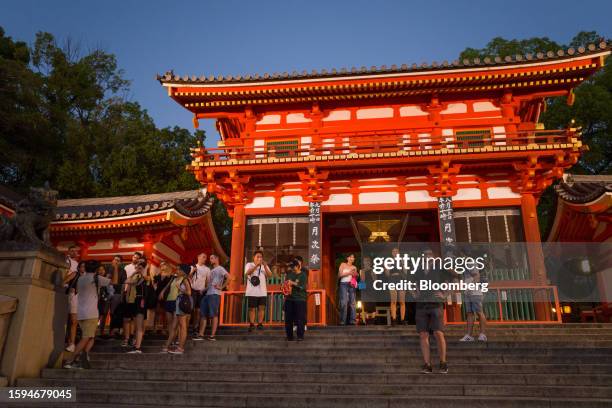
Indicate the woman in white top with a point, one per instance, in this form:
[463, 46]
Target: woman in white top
[257, 272]
[347, 273]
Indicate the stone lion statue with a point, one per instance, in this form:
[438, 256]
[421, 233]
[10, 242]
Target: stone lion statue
[30, 224]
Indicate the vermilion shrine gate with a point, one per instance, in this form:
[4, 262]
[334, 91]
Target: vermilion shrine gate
[377, 148]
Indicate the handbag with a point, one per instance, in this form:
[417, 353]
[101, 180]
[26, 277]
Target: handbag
[254, 279]
[150, 296]
[184, 302]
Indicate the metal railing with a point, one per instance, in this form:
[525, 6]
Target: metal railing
[516, 304]
[234, 310]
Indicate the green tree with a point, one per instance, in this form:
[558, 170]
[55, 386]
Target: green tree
[592, 110]
[64, 118]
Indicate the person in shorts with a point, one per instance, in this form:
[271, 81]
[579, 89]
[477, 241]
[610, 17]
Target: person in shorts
[181, 285]
[472, 300]
[429, 314]
[198, 276]
[257, 273]
[219, 278]
[74, 269]
[88, 287]
[136, 307]
[128, 311]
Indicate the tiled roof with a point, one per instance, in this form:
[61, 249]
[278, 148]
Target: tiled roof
[192, 203]
[9, 198]
[170, 76]
[580, 189]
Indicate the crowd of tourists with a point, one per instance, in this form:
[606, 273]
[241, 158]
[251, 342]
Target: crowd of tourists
[118, 301]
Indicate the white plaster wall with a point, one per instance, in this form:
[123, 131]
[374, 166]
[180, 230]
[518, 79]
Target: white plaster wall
[418, 196]
[292, 201]
[261, 202]
[269, 120]
[502, 192]
[379, 198]
[412, 111]
[467, 194]
[375, 113]
[484, 107]
[339, 199]
[297, 118]
[338, 115]
[455, 108]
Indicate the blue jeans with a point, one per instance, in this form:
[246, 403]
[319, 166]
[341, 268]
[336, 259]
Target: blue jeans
[347, 300]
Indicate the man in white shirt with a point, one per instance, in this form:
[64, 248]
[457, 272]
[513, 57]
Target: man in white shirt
[198, 276]
[88, 287]
[256, 292]
[131, 268]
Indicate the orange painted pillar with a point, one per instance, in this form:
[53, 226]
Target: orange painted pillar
[535, 254]
[237, 249]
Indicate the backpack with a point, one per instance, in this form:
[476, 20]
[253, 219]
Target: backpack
[184, 300]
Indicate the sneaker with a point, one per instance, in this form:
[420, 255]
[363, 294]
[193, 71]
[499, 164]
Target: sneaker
[251, 327]
[211, 338]
[260, 326]
[426, 369]
[482, 337]
[443, 367]
[135, 351]
[70, 348]
[164, 350]
[177, 350]
[467, 337]
[198, 338]
[73, 365]
[125, 343]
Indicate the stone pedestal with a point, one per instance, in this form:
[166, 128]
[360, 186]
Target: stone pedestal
[35, 338]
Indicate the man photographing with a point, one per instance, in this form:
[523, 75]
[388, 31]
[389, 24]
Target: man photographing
[257, 273]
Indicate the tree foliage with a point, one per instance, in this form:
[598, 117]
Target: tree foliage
[65, 119]
[592, 110]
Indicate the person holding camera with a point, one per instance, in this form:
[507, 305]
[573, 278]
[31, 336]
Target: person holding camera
[180, 288]
[257, 273]
[295, 301]
[136, 295]
[198, 276]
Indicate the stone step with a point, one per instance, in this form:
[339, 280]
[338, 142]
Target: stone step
[408, 358]
[350, 367]
[144, 399]
[198, 348]
[328, 378]
[334, 388]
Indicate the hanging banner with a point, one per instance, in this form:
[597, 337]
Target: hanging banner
[447, 223]
[314, 235]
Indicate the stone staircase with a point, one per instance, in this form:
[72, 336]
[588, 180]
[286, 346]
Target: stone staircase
[375, 366]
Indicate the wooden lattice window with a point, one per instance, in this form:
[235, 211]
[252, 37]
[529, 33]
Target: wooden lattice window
[473, 137]
[282, 148]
